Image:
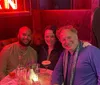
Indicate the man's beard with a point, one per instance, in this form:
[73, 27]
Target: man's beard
[23, 44]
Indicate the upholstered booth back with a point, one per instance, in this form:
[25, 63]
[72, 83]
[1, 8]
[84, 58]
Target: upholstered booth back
[81, 19]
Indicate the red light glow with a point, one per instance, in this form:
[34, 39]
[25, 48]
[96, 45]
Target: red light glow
[6, 4]
[0, 4]
[15, 7]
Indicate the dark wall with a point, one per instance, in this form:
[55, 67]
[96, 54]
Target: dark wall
[51, 4]
[9, 25]
[62, 4]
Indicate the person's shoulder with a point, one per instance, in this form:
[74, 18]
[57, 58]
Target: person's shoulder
[92, 47]
[31, 49]
[63, 53]
[9, 46]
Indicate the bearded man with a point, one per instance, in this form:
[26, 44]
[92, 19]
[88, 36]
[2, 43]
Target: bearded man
[17, 53]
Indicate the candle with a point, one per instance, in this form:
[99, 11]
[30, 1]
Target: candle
[33, 76]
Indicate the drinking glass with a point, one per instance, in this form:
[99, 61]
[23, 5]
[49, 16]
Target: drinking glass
[46, 63]
[36, 68]
[34, 73]
[21, 71]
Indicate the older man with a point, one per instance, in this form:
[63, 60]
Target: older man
[77, 65]
[17, 53]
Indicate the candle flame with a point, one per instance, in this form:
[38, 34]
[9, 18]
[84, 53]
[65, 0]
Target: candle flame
[33, 76]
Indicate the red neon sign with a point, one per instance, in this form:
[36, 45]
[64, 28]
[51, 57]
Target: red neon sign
[15, 7]
[6, 4]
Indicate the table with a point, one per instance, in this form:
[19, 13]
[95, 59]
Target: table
[44, 78]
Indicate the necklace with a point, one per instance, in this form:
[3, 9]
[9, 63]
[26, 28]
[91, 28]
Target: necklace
[22, 53]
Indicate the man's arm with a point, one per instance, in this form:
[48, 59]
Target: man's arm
[3, 63]
[95, 57]
[57, 75]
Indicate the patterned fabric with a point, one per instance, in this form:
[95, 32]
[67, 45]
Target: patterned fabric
[73, 61]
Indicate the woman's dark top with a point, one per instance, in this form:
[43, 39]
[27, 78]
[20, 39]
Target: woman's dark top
[54, 56]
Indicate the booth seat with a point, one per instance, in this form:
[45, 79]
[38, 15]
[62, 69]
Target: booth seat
[80, 19]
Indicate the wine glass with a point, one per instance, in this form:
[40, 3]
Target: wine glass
[20, 71]
[46, 63]
[34, 73]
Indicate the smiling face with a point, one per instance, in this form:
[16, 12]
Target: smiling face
[49, 37]
[68, 39]
[24, 36]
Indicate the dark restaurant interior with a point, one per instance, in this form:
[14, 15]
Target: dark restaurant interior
[84, 15]
[37, 14]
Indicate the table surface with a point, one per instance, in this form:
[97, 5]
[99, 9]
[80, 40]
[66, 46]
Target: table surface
[44, 78]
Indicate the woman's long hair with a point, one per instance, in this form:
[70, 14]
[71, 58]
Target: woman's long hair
[57, 44]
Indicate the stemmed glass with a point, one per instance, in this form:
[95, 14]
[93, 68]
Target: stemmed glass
[36, 68]
[34, 73]
[46, 63]
[20, 71]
